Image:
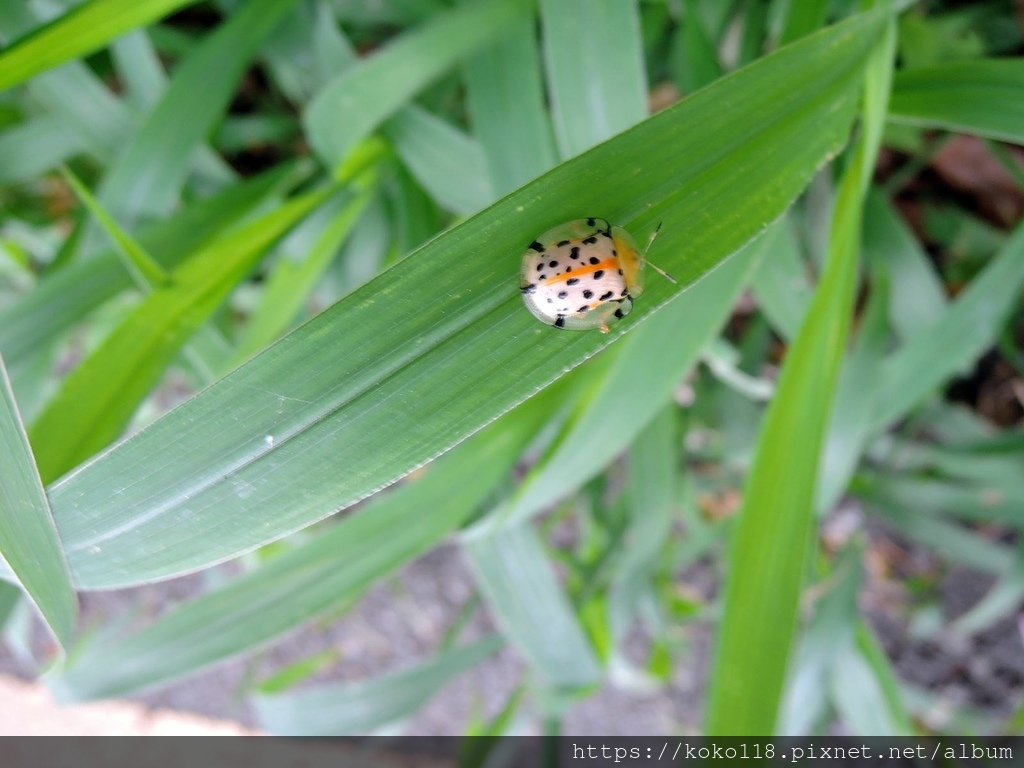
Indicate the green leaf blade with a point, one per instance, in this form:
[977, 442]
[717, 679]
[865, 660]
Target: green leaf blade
[98, 398]
[983, 97]
[773, 535]
[595, 70]
[334, 567]
[520, 585]
[147, 177]
[350, 709]
[415, 361]
[28, 537]
[359, 99]
[76, 33]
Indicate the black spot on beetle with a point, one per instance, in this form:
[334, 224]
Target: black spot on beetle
[552, 264]
[614, 252]
[560, 321]
[588, 294]
[625, 292]
[619, 314]
[574, 253]
[563, 243]
[607, 234]
[599, 274]
[540, 266]
[535, 246]
[572, 281]
[591, 222]
[563, 294]
[620, 271]
[590, 241]
[543, 277]
[550, 300]
[594, 260]
[531, 288]
[606, 296]
[583, 310]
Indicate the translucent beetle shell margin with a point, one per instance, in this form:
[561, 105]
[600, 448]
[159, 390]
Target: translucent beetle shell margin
[582, 275]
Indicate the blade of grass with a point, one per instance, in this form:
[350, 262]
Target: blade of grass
[359, 99]
[955, 340]
[917, 295]
[78, 32]
[147, 177]
[359, 708]
[516, 578]
[653, 494]
[595, 70]
[72, 92]
[28, 537]
[925, 495]
[144, 269]
[97, 399]
[505, 97]
[1002, 600]
[449, 164]
[418, 359]
[139, 68]
[755, 31]
[35, 146]
[980, 96]
[334, 567]
[781, 285]
[865, 691]
[63, 297]
[773, 536]
[9, 597]
[695, 53]
[948, 538]
[830, 632]
[848, 426]
[208, 347]
[801, 18]
[291, 282]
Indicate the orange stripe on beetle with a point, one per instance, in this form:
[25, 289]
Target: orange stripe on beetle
[589, 269]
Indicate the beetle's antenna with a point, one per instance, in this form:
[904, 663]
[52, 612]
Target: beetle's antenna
[656, 268]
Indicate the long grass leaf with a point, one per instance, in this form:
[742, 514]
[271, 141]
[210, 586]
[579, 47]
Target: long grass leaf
[980, 96]
[359, 99]
[355, 709]
[521, 588]
[68, 294]
[100, 395]
[449, 164]
[35, 146]
[505, 97]
[28, 537]
[956, 339]
[147, 177]
[772, 539]
[781, 284]
[80, 31]
[334, 567]
[439, 345]
[291, 281]
[595, 72]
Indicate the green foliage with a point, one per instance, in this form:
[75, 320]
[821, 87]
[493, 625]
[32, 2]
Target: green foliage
[310, 216]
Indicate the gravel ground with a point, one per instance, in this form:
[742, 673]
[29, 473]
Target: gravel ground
[403, 619]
